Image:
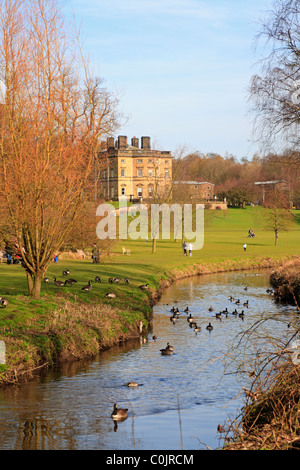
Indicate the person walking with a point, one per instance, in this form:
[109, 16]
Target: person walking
[190, 247]
[95, 254]
[245, 246]
[184, 247]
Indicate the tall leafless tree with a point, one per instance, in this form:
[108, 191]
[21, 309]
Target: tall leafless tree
[53, 115]
[275, 91]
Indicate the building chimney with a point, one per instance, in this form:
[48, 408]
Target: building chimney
[146, 143]
[122, 142]
[135, 142]
[110, 141]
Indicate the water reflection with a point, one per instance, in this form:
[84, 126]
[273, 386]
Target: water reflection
[184, 396]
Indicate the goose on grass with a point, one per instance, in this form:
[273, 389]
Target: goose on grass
[87, 287]
[111, 295]
[58, 283]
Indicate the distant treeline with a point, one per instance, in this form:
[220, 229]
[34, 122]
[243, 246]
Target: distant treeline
[234, 178]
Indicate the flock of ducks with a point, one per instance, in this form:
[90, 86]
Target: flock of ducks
[193, 324]
[88, 287]
[120, 414]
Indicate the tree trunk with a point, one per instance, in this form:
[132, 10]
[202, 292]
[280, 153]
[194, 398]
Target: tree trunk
[36, 290]
[29, 281]
[154, 245]
[34, 283]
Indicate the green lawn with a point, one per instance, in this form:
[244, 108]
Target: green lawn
[224, 237]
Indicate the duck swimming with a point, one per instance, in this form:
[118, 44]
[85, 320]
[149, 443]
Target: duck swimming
[119, 413]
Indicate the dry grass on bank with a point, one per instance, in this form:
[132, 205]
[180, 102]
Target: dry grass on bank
[271, 420]
[72, 331]
[286, 281]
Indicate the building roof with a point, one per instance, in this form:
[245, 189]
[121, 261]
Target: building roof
[193, 182]
[270, 182]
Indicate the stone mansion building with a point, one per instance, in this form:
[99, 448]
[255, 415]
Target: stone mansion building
[139, 173]
[134, 171]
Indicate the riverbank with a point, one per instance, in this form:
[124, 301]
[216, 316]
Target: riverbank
[69, 325]
[286, 282]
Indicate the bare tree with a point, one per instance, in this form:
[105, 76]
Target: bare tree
[275, 92]
[53, 114]
[278, 216]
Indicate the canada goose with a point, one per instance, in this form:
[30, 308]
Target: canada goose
[117, 279]
[88, 287]
[97, 279]
[231, 298]
[166, 352]
[144, 286]
[110, 280]
[173, 319]
[4, 302]
[209, 327]
[210, 309]
[193, 324]
[154, 337]
[66, 272]
[190, 319]
[46, 280]
[111, 295]
[219, 315]
[170, 347]
[70, 281]
[246, 288]
[225, 311]
[238, 302]
[235, 312]
[58, 283]
[119, 413]
[242, 315]
[133, 384]
[246, 304]
[126, 280]
[186, 310]
[197, 329]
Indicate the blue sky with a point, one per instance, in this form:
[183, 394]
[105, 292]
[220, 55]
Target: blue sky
[181, 67]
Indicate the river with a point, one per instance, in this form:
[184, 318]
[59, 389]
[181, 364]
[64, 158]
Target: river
[182, 398]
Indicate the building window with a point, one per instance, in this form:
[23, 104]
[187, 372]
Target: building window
[111, 173]
[150, 160]
[112, 192]
[196, 186]
[167, 162]
[150, 190]
[208, 195]
[104, 174]
[122, 161]
[140, 172]
[150, 173]
[123, 191]
[140, 192]
[139, 160]
[123, 173]
[166, 173]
